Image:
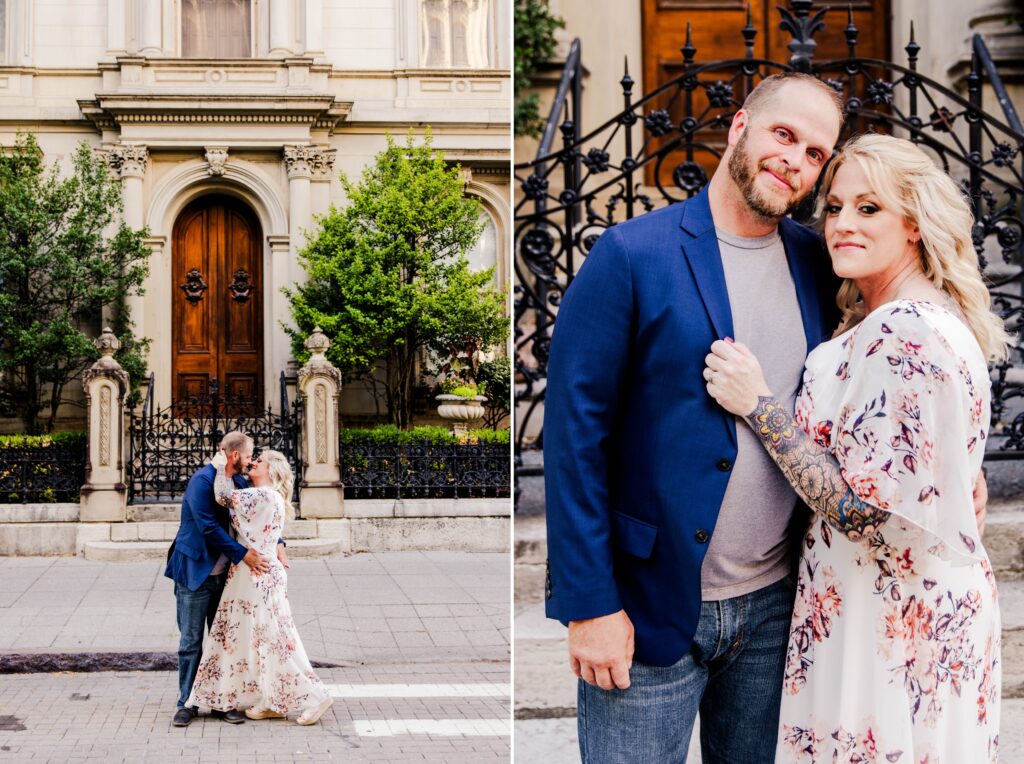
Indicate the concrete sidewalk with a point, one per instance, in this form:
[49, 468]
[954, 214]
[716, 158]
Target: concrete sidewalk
[362, 608]
[418, 644]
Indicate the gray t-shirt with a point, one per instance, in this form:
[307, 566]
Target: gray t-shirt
[749, 548]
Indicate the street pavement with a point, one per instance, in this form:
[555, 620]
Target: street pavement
[415, 644]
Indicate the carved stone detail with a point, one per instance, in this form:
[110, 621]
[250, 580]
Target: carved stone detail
[216, 157]
[317, 344]
[194, 286]
[320, 404]
[128, 160]
[298, 160]
[105, 426]
[322, 164]
[241, 286]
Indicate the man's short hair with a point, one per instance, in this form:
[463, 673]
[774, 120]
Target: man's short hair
[767, 87]
[236, 441]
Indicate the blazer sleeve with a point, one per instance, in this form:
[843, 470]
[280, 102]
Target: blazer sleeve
[199, 496]
[589, 353]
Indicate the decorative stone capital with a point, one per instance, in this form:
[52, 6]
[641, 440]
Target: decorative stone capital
[216, 158]
[318, 365]
[298, 160]
[128, 160]
[321, 165]
[107, 366]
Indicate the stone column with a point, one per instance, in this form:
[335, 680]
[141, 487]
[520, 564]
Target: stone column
[129, 161]
[281, 32]
[314, 27]
[321, 494]
[279, 353]
[116, 27]
[322, 172]
[150, 15]
[105, 495]
[298, 161]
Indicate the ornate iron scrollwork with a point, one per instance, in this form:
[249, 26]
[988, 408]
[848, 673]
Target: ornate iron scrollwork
[241, 286]
[193, 286]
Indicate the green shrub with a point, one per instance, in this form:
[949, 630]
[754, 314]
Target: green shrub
[389, 434]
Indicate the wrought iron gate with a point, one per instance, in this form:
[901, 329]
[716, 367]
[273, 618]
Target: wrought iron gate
[571, 194]
[167, 445]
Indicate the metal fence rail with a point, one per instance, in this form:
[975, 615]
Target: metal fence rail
[44, 473]
[425, 471]
[167, 445]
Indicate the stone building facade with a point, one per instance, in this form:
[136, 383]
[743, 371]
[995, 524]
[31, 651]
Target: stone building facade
[228, 122]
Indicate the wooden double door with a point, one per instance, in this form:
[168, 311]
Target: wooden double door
[217, 307]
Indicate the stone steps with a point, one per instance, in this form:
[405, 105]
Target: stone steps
[134, 551]
[157, 530]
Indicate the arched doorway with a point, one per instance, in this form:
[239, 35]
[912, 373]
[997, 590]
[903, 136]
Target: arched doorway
[217, 300]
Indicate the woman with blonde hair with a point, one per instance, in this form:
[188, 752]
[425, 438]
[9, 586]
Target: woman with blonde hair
[253, 657]
[894, 642]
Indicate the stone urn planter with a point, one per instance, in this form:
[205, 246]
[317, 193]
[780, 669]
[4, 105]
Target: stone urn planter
[461, 411]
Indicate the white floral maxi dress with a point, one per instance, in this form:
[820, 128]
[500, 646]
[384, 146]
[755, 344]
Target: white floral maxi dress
[252, 654]
[894, 645]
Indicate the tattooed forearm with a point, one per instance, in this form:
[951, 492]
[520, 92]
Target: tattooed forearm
[813, 471]
[223, 487]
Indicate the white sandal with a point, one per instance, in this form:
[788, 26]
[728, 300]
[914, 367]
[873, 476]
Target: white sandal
[261, 712]
[312, 715]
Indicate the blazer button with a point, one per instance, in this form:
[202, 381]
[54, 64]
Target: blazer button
[701, 536]
[724, 465]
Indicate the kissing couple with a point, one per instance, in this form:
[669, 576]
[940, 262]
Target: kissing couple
[228, 564]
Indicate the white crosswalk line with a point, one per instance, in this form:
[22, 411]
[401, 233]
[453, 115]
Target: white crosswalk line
[438, 727]
[468, 690]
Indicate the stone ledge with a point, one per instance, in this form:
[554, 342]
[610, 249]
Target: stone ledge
[452, 534]
[39, 513]
[427, 508]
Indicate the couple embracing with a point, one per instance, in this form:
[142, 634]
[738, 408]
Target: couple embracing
[704, 393]
[228, 564]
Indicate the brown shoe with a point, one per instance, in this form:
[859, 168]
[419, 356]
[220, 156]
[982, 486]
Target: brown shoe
[259, 712]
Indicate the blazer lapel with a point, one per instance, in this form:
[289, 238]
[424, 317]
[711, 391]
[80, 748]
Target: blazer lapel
[700, 246]
[795, 242]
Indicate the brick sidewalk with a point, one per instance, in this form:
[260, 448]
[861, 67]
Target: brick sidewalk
[437, 622]
[125, 717]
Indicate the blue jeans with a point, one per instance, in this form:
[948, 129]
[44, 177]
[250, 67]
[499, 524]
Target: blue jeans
[196, 610]
[732, 676]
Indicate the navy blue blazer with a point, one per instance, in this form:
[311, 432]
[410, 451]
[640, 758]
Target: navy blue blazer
[203, 533]
[637, 455]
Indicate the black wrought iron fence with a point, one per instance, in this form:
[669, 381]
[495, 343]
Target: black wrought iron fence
[424, 470]
[167, 445]
[42, 469]
[656, 151]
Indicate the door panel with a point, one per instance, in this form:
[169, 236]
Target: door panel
[217, 303]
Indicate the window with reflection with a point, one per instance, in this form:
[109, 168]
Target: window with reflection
[484, 254]
[216, 28]
[456, 33]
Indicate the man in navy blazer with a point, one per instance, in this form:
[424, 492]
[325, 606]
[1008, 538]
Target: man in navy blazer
[639, 459]
[198, 561]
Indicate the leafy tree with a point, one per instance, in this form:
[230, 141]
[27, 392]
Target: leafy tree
[388, 275]
[497, 375]
[535, 45]
[61, 273]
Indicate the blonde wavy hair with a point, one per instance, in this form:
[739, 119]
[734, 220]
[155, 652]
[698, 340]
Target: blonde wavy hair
[909, 183]
[281, 478]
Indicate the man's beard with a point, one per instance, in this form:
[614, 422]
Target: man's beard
[239, 466]
[767, 206]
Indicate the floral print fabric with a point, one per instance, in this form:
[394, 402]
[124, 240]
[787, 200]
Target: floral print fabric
[894, 645]
[252, 654]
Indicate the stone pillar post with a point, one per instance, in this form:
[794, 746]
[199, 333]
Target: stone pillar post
[298, 160]
[116, 26]
[281, 32]
[150, 27]
[129, 161]
[322, 172]
[314, 32]
[105, 495]
[321, 494]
